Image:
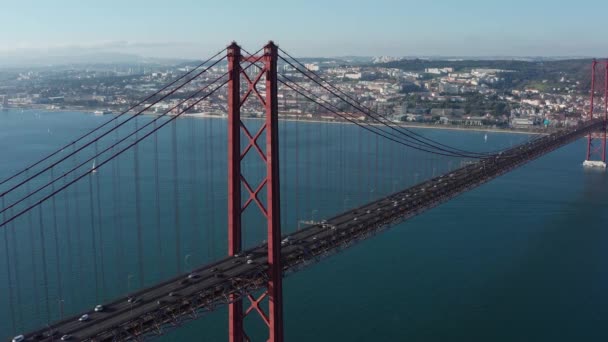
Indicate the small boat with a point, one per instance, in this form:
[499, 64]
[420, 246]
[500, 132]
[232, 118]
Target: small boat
[93, 168]
[485, 137]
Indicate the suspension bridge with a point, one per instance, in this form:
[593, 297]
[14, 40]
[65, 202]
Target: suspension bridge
[136, 200]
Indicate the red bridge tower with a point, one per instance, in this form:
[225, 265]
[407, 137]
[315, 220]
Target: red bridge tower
[596, 141]
[273, 293]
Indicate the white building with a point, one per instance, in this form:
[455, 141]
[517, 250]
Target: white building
[353, 75]
[312, 67]
[522, 122]
[438, 71]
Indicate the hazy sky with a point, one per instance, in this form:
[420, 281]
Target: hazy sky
[195, 28]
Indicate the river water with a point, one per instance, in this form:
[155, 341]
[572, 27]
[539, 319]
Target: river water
[522, 258]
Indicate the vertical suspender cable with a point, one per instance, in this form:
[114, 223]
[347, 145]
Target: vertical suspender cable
[376, 173]
[211, 186]
[283, 170]
[56, 243]
[117, 234]
[368, 162]
[178, 251]
[393, 174]
[9, 277]
[324, 165]
[79, 242]
[100, 229]
[328, 161]
[403, 172]
[360, 166]
[308, 166]
[159, 245]
[93, 238]
[208, 184]
[45, 282]
[122, 266]
[140, 246]
[381, 161]
[33, 254]
[297, 171]
[17, 272]
[196, 240]
[341, 174]
[68, 227]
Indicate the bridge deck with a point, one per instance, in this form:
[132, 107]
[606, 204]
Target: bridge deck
[182, 298]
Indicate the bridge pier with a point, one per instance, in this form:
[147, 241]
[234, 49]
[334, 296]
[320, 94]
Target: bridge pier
[594, 164]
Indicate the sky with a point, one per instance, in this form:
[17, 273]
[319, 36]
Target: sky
[323, 28]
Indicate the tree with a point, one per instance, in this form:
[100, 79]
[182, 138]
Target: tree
[499, 108]
[468, 108]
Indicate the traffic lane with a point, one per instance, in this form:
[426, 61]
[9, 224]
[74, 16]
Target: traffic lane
[189, 294]
[194, 286]
[152, 306]
[75, 328]
[74, 323]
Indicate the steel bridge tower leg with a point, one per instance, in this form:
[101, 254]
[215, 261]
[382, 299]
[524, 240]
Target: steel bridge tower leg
[590, 136]
[605, 111]
[275, 283]
[596, 154]
[235, 308]
[237, 182]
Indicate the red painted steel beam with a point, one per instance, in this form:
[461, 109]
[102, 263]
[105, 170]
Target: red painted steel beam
[605, 110]
[590, 137]
[235, 309]
[275, 282]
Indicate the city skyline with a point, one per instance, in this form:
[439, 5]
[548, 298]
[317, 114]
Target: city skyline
[189, 29]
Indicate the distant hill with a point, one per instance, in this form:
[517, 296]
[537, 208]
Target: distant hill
[38, 59]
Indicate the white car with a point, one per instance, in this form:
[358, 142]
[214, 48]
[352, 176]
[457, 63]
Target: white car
[66, 337]
[84, 318]
[99, 308]
[18, 338]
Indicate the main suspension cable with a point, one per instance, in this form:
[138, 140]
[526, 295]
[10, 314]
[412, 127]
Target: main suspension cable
[371, 129]
[369, 112]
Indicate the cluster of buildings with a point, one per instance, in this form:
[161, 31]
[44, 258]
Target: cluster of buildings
[438, 96]
[445, 97]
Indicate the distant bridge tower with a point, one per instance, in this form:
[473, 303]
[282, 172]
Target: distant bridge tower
[269, 204]
[596, 141]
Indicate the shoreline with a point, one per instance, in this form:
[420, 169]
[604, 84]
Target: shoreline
[439, 127]
[291, 118]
